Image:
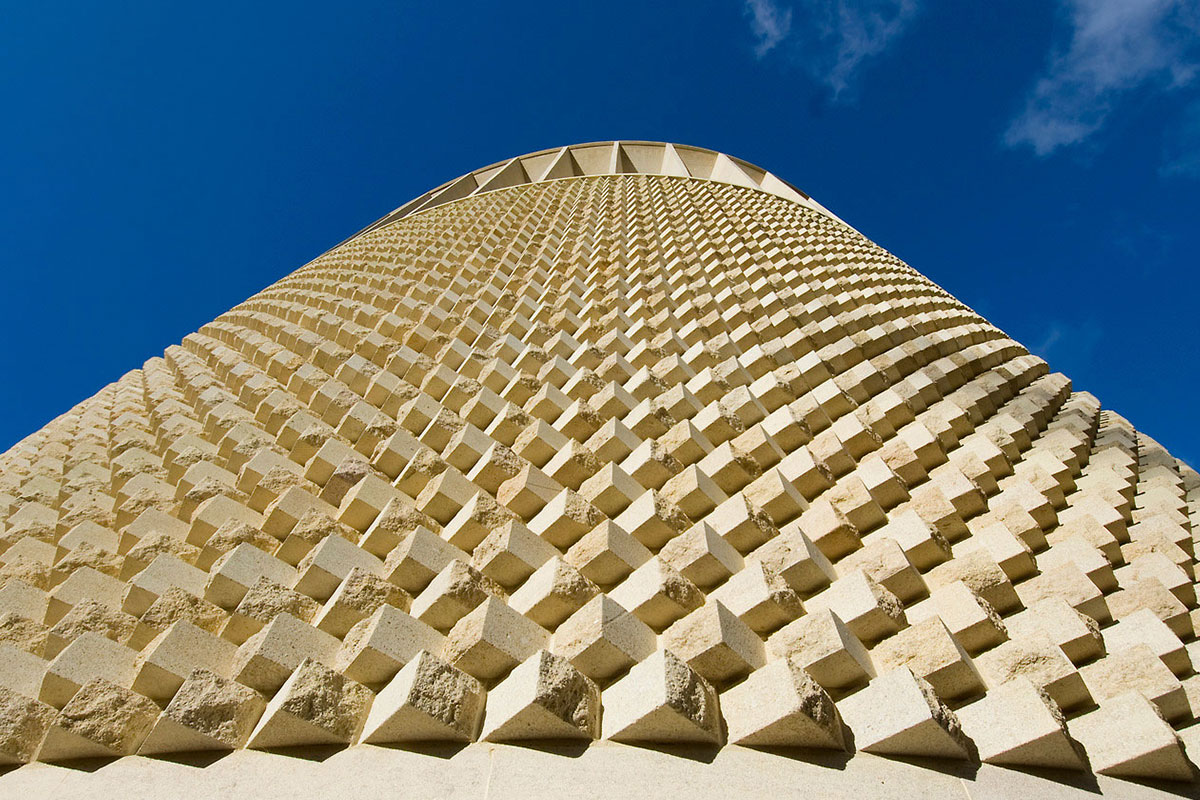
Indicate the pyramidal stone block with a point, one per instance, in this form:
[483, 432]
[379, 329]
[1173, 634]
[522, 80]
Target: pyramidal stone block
[208, 712]
[780, 705]
[543, 698]
[315, 706]
[662, 700]
[102, 720]
[899, 714]
[428, 701]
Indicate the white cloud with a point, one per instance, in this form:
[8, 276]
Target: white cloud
[837, 38]
[770, 24]
[1115, 47]
[860, 30]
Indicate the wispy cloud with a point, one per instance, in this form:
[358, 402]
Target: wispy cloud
[1069, 343]
[770, 24]
[838, 37]
[1114, 48]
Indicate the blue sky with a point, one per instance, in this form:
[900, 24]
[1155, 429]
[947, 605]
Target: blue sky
[163, 161]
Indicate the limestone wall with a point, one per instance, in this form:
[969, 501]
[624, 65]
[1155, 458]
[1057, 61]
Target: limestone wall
[633, 458]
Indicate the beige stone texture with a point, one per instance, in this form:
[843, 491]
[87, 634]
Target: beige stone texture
[602, 639]
[315, 706]
[780, 705]
[208, 712]
[899, 714]
[102, 720]
[428, 701]
[1018, 724]
[545, 697]
[547, 424]
[661, 700]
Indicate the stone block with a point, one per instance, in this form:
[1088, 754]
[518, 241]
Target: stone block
[165, 572]
[261, 604]
[1126, 737]
[545, 697]
[742, 524]
[760, 598]
[89, 656]
[102, 720]
[702, 556]
[428, 701]
[171, 657]
[884, 561]
[452, 594]
[716, 643]
[475, 521]
[26, 722]
[267, 659]
[899, 714]
[1145, 628]
[1136, 668]
[327, 565]
[602, 639]
[974, 624]
[653, 520]
[657, 594]
[375, 649]
[780, 705]
[357, 597]
[662, 700]
[822, 645]
[607, 554]
[870, 611]
[555, 591]
[565, 519]
[511, 553]
[315, 706]
[207, 713]
[1036, 659]
[931, 652]
[418, 558]
[492, 639]
[1016, 724]
[232, 575]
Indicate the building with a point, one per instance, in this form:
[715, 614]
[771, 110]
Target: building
[622, 467]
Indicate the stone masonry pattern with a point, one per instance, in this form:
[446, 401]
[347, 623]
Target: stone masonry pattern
[648, 458]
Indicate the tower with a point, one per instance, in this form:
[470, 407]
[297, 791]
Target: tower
[629, 450]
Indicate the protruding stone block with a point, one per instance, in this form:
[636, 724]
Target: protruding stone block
[554, 592]
[428, 701]
[780, 705]
[267, 659]
[607, 554]
[545, 697]
[657, 594]
[1126, 737]
[716, 643]
[375, 649]
[899, 714]
[662, 700]
[208, 712]
[315, 706]
[172, 656]
[452, 594]
[1017, 724]
[602, 639]
[825, 648]
[102, 720]
[492, 639]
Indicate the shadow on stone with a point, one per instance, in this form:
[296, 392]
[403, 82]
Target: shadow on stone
[436, 749]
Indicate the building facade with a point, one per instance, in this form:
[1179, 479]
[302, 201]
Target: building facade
[621, 467]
